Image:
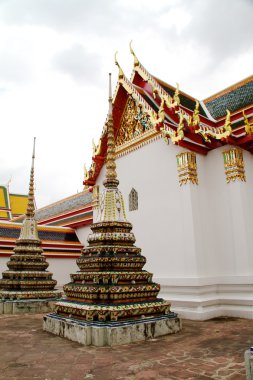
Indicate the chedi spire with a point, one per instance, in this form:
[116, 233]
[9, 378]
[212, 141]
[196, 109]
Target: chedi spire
[111, 180]
[29, 229]
[27, 277]
[30, 206]
[111, 207]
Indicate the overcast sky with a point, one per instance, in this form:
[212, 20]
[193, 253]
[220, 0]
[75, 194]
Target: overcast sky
[55, 56]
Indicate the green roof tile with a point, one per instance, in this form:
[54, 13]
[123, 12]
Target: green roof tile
[232, 100]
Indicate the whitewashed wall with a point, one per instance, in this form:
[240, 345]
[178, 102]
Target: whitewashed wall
[61, 269]
[197, 239]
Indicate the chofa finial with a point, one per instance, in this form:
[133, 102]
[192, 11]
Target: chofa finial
[136, 61]
[120, 74]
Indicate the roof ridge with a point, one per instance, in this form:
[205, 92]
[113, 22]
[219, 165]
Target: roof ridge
[62, 200]
[160, 81]
[229, 89]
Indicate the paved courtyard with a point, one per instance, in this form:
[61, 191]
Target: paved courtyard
[203, 350]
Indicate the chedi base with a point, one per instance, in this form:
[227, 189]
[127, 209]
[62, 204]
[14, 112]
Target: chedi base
[102, 334]
[33, 306]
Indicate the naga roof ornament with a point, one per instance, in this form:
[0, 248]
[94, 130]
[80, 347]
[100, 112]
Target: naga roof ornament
[121, 73]
[248, 127]
[136, 61]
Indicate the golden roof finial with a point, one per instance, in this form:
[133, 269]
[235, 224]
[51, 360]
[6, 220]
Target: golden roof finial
[136, 61]
[120, 74]
[30, 206]
[248, 127]
[93, 147]
[8, 182]
[111, 180]
[195, 116]
[227, 124]
[86, 173]
[176, 96]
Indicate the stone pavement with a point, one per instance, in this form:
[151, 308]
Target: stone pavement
[203, 350]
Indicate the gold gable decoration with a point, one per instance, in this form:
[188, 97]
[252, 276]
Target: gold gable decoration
[234, 165]
[134, 122]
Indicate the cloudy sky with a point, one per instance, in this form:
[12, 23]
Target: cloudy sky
[55, 56]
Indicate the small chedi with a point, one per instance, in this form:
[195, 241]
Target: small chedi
[27, 286]
[111, 300]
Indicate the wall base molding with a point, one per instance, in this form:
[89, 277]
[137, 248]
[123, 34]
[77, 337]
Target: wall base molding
[204, 298]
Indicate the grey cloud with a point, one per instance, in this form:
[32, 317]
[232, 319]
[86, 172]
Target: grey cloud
[96, 16]
[13, 68]
[224, 27]
[3, 90]
[218, 31]
[57, 14]
[80, 65]
[18, 177]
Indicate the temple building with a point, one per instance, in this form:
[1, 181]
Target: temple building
[111, 299]
[185, 169]
[11, 205]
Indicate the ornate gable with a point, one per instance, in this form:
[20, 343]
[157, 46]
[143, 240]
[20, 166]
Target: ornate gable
[134, 123]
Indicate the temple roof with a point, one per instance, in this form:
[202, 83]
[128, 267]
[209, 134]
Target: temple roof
[18, 204]
[56, 241]
[11, 205]
[64, 205]
[159, 109]
[233, 98]
[185, 99]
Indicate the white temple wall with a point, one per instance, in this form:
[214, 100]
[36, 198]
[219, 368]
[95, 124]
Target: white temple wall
[247, 206]
[227, 213]
[82, 233]
[197, 238]
[61, 269]
[163, 221]
[211, 216]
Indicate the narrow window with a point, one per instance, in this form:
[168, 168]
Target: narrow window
[133, 200]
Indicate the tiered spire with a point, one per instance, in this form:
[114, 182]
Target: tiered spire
[111, 284]
[27, 277]
[29, 229]
[111, 203]
[111, 180]
[30, 205]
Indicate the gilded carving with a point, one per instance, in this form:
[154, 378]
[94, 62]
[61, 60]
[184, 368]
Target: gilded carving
[195, 116]
[179, 133]
[234, 165]
[248, 127]
[134, 122]
[187, 168]
[223, 133]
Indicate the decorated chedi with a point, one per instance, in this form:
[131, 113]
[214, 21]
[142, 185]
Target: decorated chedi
[111, 300]
[27, 286]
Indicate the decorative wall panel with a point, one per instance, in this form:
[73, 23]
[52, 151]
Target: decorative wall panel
[187, 168]
[234, 165]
